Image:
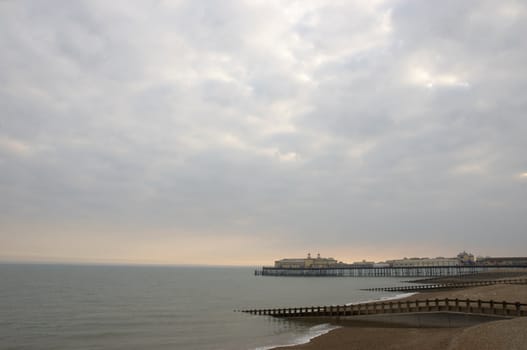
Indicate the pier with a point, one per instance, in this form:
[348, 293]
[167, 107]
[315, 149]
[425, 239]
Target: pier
[367, 271]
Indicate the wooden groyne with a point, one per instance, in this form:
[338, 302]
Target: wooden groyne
[372, 271]
[468, 306]
[438, 286]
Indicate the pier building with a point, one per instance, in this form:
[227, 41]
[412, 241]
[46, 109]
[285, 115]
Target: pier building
[422, 262]
[309, 262]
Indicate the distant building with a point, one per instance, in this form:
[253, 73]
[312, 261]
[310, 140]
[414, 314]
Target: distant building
[424, 262]
[363, 263]
[503, 261]
[308, 262]
[462, 259]
[466, 258]
[381, 264]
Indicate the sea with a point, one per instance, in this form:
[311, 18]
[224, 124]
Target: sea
[163, 307]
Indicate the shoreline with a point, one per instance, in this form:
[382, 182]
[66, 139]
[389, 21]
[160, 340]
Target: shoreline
[315, 334]
[401, 296]
[502, 334]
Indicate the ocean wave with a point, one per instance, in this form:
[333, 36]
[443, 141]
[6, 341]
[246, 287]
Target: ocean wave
[313, 332]
[394, 297]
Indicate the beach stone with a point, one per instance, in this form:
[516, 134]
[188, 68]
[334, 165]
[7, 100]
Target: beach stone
[499, 335]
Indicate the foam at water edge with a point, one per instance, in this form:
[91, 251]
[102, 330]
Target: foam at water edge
[313, 332]
[395, 297]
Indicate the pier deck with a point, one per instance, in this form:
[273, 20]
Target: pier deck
[410, 271]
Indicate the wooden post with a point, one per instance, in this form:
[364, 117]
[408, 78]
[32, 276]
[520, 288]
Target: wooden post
[504, 305]
[492, 309]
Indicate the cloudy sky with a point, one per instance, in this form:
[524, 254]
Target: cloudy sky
[239, 132]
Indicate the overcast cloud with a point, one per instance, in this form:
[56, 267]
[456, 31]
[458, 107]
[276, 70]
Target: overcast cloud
[244, 131]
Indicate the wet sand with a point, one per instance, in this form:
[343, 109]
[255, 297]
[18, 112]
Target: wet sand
[497, 335]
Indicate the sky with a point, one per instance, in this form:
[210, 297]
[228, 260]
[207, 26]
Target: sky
[241, 132]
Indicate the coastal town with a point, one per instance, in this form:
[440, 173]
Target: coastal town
[462, 264]
[462, 259]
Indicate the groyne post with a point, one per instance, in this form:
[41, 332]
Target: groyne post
[478, 306]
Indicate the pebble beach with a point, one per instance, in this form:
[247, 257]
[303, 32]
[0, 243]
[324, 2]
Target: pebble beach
[508, 334]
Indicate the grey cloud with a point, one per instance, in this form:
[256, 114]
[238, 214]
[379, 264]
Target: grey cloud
[402, 121]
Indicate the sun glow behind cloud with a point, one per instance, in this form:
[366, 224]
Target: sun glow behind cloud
[423, 77]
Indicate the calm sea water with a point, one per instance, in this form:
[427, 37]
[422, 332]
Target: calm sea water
[140, 307]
